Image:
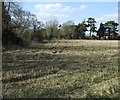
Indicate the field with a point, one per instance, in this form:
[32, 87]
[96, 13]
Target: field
[62, 69]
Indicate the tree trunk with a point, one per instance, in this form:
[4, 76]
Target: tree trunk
[99, 37]
[90, 33]
[8, 16]
[109, 34]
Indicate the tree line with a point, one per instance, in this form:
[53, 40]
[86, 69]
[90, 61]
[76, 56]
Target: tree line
[20, 27]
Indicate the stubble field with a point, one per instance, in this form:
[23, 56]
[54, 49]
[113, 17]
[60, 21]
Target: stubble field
[62, 69]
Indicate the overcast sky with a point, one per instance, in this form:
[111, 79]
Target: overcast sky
[74, 11]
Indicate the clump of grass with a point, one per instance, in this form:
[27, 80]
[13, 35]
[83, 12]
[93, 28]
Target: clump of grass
[104, 89]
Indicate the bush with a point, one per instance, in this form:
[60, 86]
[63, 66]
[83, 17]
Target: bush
[94, 37]
[9, 38]
[38, 36]
[86, 37]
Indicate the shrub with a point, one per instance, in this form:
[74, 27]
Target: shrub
[10, 38]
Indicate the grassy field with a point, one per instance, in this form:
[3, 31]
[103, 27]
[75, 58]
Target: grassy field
[62, 69]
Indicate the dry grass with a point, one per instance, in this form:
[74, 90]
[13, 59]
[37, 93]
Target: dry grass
[62, 68]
